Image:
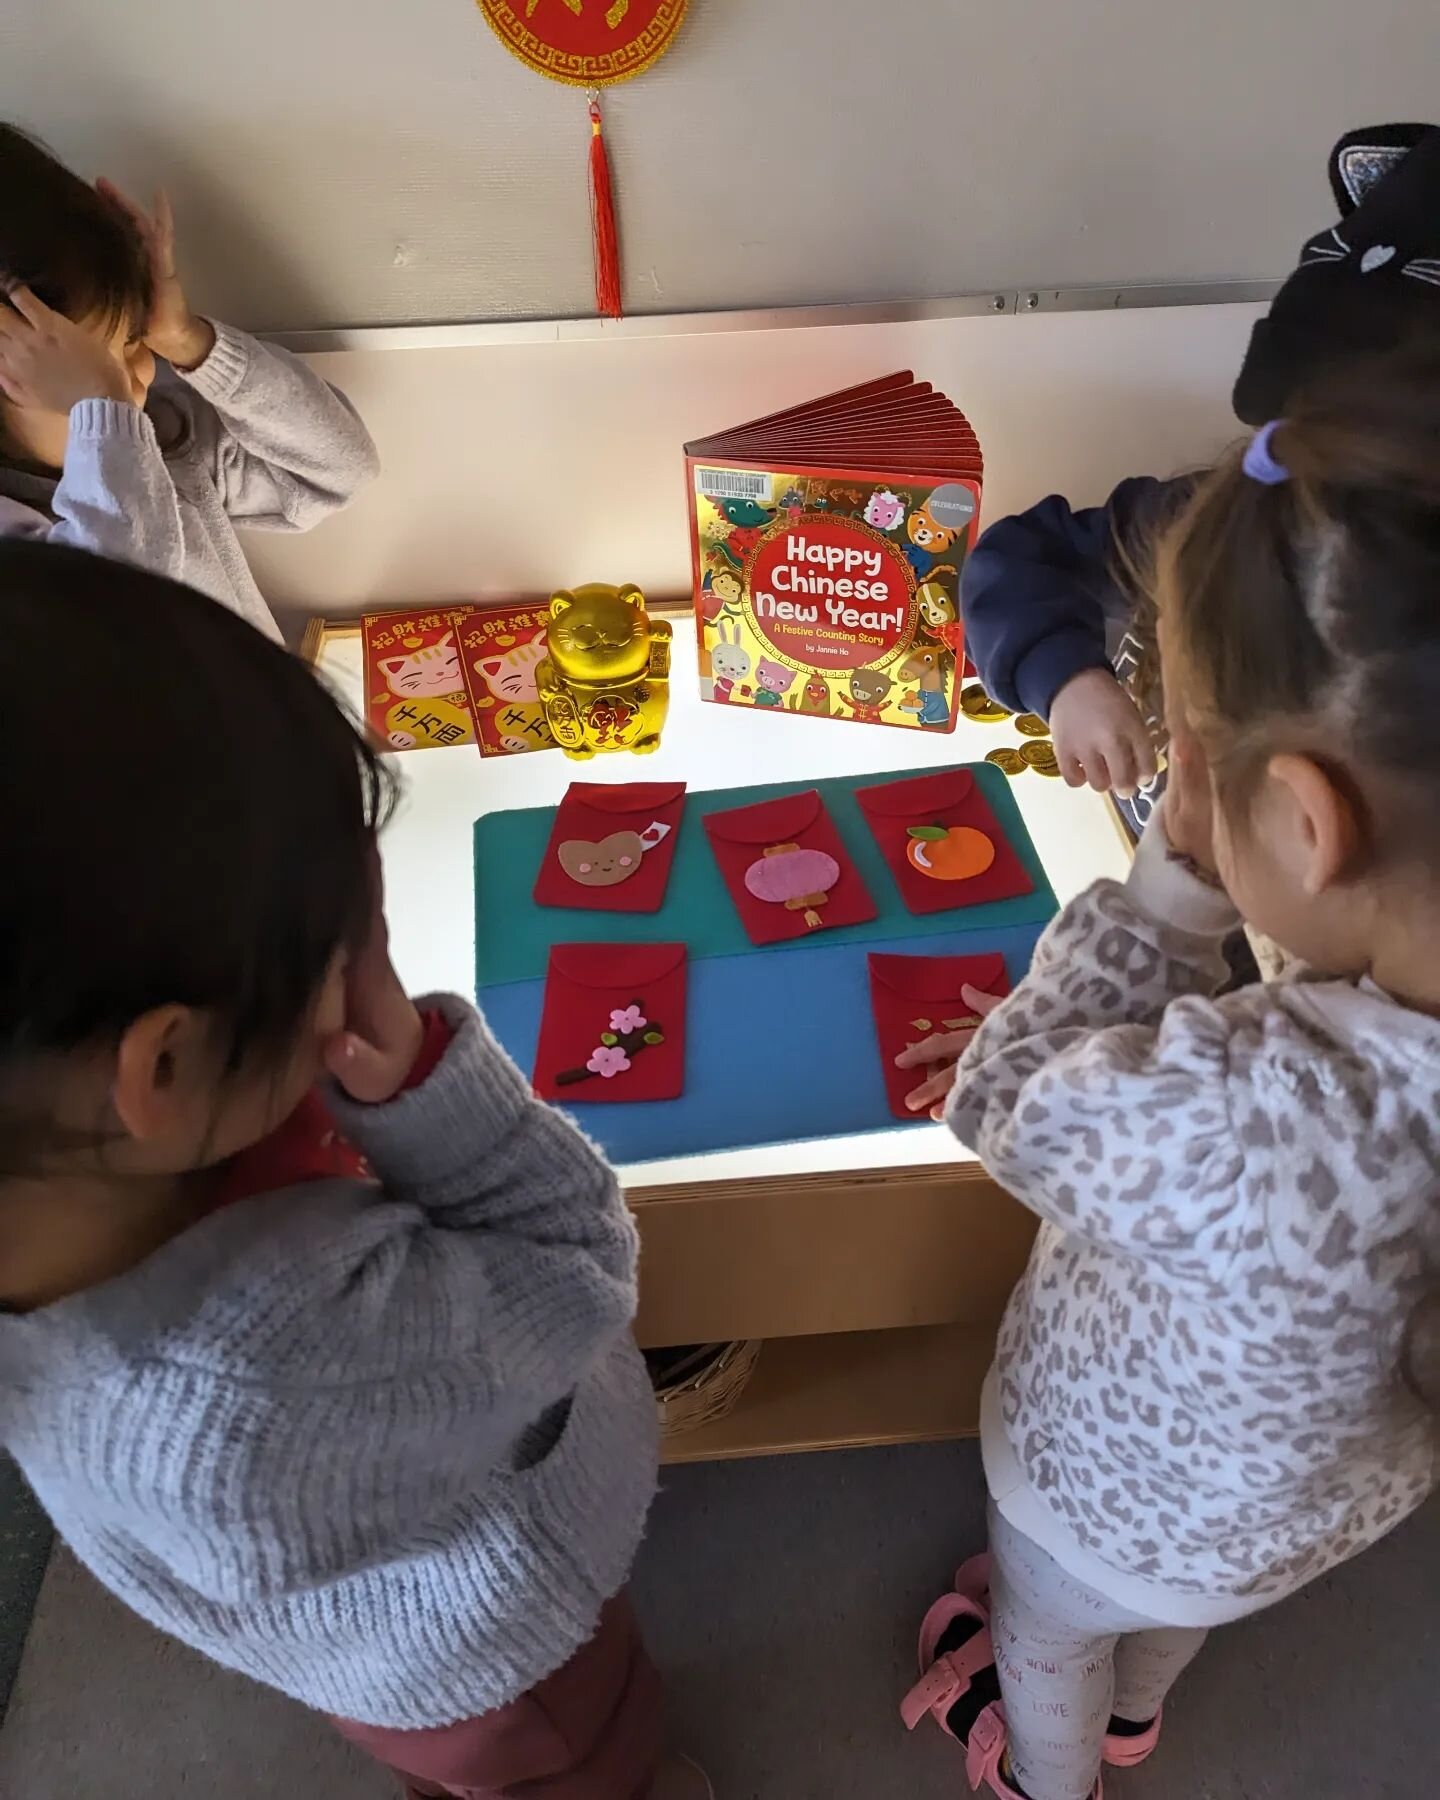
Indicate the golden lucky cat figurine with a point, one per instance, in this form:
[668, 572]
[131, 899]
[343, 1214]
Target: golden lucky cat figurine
[605, 684]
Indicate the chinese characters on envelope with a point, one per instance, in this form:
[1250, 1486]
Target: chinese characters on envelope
[457, 675]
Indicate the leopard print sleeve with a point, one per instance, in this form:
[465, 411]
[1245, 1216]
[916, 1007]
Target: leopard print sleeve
[1097, 1093]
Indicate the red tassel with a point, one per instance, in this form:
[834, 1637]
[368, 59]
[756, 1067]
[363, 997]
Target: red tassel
[602, 219]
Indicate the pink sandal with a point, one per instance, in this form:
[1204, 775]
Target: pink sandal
[985, 1756]
[972, 1579]
[944, 1679]
[1126, 1752]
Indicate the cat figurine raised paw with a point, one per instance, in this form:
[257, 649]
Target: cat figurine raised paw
[605, 684]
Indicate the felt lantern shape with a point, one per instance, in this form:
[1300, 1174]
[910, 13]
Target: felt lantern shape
[794, 878]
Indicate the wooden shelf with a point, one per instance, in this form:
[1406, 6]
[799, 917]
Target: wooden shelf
[857, 1387]
[806, 1255]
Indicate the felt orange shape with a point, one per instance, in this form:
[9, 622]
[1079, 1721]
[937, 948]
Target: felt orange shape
[956, 854]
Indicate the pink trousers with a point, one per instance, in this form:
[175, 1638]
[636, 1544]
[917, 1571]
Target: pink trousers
[590, 1731]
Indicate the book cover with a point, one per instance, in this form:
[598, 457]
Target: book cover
[826, 547]
[456, 675]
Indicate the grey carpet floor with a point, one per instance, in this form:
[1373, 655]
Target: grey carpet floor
[782, 1599]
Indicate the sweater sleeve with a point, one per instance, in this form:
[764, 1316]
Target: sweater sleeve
[115, 496]
[509, 1246]
[1097, 1093]
[1039, 588]
[291, 449]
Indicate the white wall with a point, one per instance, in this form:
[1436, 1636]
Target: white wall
[368, 161]
[516, 468]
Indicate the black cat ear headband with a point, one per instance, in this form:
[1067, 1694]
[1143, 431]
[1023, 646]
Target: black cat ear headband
[1365, 157]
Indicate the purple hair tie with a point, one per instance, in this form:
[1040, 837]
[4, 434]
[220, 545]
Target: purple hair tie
[1259, 463]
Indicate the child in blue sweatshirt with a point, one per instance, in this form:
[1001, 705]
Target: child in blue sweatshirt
[1049, 623]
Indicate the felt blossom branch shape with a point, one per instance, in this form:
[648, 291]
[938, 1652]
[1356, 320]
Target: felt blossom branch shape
[630, 1033]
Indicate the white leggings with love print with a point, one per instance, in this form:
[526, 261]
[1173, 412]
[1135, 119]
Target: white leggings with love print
[1067, 1659]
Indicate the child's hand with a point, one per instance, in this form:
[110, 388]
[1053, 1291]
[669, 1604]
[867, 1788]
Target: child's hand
[1186, 811]
[48, 364]
[939, 1053]
[1100, 737]
[375, 1052]
[172, 330]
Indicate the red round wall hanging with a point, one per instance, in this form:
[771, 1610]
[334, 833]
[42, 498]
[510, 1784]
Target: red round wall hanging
[587, 43]
[590, 44]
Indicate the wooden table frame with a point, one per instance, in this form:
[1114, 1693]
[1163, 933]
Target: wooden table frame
[877, 1291]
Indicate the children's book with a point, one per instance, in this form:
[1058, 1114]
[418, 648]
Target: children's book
[826, 545]
[457, 675]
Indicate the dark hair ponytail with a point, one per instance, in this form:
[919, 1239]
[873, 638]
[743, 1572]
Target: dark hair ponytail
[187, 818]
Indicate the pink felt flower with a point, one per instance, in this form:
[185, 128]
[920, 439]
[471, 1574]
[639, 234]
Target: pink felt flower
[629, 1018]
[608, 1060]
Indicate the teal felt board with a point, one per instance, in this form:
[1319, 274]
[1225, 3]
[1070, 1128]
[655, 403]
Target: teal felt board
[513, 936]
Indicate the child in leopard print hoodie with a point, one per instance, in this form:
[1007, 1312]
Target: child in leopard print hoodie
[1209, 1385]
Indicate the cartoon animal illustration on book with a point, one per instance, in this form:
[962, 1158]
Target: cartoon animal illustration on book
[938, 614]
[730, 662]
[747, 513]
[927, 666]
[866, 698]
[884, 510]
[928, 542]
[719, 593]
[772, 682]
[813, 698]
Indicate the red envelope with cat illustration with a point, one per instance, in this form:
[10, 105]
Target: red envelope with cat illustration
[612, 1026]
[501, 652]
[611, 846]
[415, 695]
[786, 869]
[915, 996]
[943, 844]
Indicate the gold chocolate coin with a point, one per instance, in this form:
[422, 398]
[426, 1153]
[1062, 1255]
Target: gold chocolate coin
[1011, 761]
[976, 704]
[1039, 755]
[1032, 725]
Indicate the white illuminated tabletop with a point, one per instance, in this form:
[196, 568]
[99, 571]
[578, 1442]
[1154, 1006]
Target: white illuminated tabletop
[430, 884]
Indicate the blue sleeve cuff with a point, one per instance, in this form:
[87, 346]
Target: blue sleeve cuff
[1056, 659]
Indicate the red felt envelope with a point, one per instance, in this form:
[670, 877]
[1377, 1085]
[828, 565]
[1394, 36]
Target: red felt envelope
[612, 846]
[914, 996]
[786, 868]
[613, 1023]
[942, 842]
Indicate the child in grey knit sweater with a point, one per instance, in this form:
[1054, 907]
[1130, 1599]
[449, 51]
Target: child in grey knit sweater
[128, 424]
[376, 1434]
[1217, 1377]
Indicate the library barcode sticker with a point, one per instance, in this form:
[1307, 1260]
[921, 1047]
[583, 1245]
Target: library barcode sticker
[732, 484]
